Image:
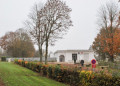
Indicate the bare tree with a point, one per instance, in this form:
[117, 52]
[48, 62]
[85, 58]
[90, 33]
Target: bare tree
[108, 15]
[56, 21]
[35, 26]
[49, 23]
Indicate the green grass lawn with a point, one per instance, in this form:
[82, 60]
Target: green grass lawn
[14, 75]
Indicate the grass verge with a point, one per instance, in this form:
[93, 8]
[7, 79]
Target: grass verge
[14, 75]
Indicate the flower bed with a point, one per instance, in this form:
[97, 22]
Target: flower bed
[71, 76]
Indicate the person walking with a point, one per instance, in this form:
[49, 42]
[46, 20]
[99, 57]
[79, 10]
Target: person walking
[82, 63]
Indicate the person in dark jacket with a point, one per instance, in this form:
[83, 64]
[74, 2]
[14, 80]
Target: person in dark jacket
[82, 63]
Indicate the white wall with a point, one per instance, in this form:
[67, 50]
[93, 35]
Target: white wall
[68, 56]
[91, 56]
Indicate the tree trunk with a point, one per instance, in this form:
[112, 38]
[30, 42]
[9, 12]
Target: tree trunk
[46, 51]
[40, 53]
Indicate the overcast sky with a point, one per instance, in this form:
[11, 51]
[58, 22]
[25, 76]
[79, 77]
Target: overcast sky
[84, 16]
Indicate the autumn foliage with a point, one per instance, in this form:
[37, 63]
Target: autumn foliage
[108, 42]
[17, 44]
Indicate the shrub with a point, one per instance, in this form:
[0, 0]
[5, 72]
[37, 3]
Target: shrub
[40, 67]
[28, 65]
[3, 58]
[16, 61]
[56, 72]
[23, 63]
[86, 77]
[44, 70]
[71, 76]
[50, 72]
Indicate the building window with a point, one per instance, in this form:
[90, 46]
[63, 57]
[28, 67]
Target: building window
[74, 56]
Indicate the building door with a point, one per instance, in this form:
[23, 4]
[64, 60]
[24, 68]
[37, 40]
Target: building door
[74, 56]
[62, 58]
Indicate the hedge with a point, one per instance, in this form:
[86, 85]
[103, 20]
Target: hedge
[71, 76]
[3, 58]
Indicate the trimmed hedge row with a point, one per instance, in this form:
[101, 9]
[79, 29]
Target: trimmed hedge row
[3, 58]
[71, 77]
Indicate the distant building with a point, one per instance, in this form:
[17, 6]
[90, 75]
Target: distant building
[69, 55]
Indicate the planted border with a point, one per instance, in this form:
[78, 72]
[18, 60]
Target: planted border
[71, 76]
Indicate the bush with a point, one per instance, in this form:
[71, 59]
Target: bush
[3, 58]
[50, 72]
[113, 65]
[105, 80]
[71, 76]
[44, 70]
[40, 67]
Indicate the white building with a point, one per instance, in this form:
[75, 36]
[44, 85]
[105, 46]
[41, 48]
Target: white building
[69, 55]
